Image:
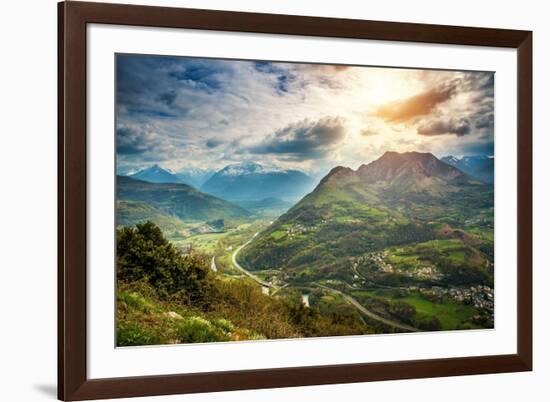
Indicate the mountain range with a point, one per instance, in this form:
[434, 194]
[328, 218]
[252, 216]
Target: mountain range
[403, 173]
[397, 199]
[243, 182]
[156, 174]
[481, 167]
[191, 176]
[195, 177]
[254, 181]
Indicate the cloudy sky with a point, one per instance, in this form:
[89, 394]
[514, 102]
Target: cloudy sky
[186, 112]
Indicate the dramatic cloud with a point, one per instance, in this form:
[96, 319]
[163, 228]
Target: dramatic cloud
[131, 141]
[146, 144]
[200, 75]
[184, 112]
[213, 143]
[305, 139]
[458, 127]
[486, 121]
[415, 106]
[477, 93]
[168, 98]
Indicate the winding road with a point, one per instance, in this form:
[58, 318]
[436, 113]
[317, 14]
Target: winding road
[213, 264]
[346, 297]
[369, 313]
[244, 271]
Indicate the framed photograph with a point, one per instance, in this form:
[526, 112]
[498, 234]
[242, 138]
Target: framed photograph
[253, 200]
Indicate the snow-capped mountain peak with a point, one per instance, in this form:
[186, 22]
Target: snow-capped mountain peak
[256, 181]
[246, 168]
[156, 174]
[478, 166]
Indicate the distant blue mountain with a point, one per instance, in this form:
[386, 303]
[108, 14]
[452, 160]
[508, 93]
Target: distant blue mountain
[196, 177]
[480, 167]
[254, 181]
[156, 174]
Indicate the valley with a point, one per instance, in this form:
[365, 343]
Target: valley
[403, 244]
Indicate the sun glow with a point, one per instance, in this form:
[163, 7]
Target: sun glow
[298, 115]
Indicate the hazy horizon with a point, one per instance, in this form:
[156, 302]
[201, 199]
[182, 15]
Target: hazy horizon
[309, 172]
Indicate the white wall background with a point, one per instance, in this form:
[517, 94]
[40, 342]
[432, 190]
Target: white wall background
[28, 199]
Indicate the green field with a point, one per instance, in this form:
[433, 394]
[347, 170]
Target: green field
[278, 234]
[452, 315]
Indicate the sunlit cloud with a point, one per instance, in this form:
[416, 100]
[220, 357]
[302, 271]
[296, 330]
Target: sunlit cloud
[415, 106]
[189, 112]
[457, 127]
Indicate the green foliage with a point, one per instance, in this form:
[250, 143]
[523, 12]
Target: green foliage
[198, 330]
[403, 311]
[167, 297]
[243, 302]
[134, 334]
[224, 324]
[149, 320]
[134, 300]
[430, 323]
[145, 319]
[130, 213]
[143, 254]
[464, 274]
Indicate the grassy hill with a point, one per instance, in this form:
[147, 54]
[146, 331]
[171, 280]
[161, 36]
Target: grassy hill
[130, 213]
[174, 200]
[398, 199]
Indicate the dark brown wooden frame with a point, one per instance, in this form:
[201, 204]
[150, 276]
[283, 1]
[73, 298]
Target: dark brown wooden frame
[73, 17]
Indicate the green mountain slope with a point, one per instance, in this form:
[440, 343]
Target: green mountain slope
[130, 213]
[396, 200]
[171, 199]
